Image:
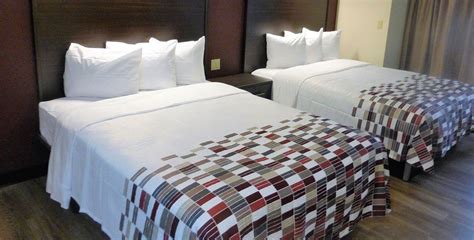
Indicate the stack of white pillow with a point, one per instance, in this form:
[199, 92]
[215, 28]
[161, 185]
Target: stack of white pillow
[122, 69]
[307, 47]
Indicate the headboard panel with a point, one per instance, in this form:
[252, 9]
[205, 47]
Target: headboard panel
[275, 16]
[91, 23]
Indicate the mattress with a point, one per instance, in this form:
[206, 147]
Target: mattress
[50, 110]
[196, 162]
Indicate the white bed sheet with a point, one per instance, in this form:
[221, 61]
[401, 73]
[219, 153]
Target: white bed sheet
[311, 106]
[336, 83]
[330, 88]
[90, 159]
[50, 110]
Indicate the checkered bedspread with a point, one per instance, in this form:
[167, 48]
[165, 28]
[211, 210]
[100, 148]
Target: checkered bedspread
[306, 177]
[419, 118]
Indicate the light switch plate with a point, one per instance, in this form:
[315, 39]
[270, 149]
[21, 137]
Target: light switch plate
[380, 24]
[215, 64]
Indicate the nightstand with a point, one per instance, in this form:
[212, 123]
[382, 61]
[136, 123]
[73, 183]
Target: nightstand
[258, 86]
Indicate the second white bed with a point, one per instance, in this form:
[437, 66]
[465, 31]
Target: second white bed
[419, 117]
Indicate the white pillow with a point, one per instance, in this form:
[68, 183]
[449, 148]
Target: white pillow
[189, 61]
[331, 41]
[285, 52]
[102, 73]
[314, 46]
[158, 68]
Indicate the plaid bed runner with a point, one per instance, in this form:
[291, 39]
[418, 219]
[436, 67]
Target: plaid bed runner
[419, 118]
[302, 178]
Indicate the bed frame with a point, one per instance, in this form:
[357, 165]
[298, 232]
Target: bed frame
[91, 23]
[58, 23]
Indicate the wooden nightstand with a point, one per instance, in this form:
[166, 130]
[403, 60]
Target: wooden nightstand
[258, 86]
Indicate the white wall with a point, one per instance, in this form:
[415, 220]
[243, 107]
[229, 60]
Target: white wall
[364, 25]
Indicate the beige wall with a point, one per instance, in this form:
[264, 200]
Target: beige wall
[364, 25]
[372, 30]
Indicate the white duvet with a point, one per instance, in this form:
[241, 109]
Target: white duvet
[330, 88]
[96, 147]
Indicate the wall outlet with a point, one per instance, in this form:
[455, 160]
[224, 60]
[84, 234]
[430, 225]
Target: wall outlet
[215, 64]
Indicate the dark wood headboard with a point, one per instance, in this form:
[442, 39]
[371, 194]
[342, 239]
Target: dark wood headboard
[275, 16]
[91, 23]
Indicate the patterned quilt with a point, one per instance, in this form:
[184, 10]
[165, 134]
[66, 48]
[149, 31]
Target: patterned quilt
[306, 177]
[419, 118]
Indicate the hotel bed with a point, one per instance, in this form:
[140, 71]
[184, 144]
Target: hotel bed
[206, 160]
[418, 117]
[188, 162]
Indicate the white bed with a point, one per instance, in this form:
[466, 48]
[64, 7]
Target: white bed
[99, 145]
[335, 89]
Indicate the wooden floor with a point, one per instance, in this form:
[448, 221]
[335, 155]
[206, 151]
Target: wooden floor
[439, 206]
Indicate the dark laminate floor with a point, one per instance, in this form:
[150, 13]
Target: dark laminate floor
[439, 206]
